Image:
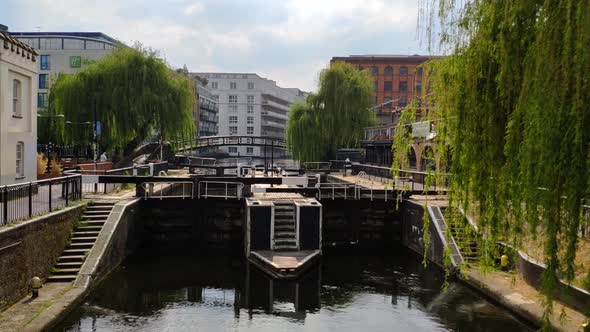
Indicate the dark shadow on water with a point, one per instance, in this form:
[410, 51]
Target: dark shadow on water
[179, 291]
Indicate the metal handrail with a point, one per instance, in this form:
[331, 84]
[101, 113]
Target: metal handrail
[149, 186]
[226, 185]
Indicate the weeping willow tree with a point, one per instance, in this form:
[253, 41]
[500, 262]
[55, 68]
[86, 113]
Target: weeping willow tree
[514, 98]
[132, 92]
[334, 117]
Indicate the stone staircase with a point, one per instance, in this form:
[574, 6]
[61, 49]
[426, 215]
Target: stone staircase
[285, 237]
[466, 240]
[85, 234]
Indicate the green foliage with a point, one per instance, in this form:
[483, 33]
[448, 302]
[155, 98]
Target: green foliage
[334, 117]
[514, 97]
[133, 91]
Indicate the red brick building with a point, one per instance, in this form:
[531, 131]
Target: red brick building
[397, 79]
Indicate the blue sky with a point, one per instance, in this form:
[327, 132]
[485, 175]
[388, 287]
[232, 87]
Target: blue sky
[288, 41]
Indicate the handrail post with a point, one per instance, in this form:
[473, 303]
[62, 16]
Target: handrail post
[30, 199]
[5, 203]
[206, 184]
[67, 192]
[50, 194]
[226, 190]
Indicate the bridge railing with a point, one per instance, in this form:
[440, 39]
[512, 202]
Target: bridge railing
[219, 189]
[163, 190]
[317, 165]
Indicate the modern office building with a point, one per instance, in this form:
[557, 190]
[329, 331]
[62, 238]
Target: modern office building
[64, 52]
[250, 105]
[208, 111]
[18, 111]
[397, 80]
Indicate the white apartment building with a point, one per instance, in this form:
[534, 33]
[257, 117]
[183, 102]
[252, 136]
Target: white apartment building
[64, 52]
[250, 105]
[18, 111]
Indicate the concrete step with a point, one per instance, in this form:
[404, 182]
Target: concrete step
[99, 208]
[89, 228]
[61, 272]
[102, 217]
[84, 234]
[68, 265]
[67, 259]
[93, 222]
[102, 204]
[285, 242]
[75, 252]
[285, 235]
[96, 213]
[64, 278]
[285, 247]
[80, 246]
[90, 239]
[283, 228]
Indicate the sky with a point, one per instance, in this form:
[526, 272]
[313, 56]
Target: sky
[288, 41]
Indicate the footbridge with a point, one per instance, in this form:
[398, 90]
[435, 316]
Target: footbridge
[218, 141]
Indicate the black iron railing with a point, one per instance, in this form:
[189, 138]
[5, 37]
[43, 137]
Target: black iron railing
[25, 200]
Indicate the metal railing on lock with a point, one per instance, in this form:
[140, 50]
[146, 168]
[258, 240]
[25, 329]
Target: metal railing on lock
[25, 200]
[335, 190]
[219, 189]
[317, 165]
[164, 190]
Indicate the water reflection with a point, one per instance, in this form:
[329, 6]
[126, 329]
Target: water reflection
[348, 293]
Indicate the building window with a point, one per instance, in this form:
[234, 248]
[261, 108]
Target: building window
[375, 86]
[419, 71]
[233, 130]
[418, 87]
[403, 102]
[216, 97]
[403, 71]
[250, 85]
[43, 81]
[42, 100]
[233, 119]
[233, 108]
[233, 149]
[375, 70]
[250, 130]
[403, 86]
[233, 99]
[250, 99]
[20, 166]
[250, 120]
[388, 71]
[16, 97]
[388, 86]
[213, 85]
[249, 150]
[233, 85]
[250, 109]
[45, 62]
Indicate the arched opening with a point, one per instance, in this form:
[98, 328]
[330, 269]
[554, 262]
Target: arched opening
[412, 158]
[428, 162]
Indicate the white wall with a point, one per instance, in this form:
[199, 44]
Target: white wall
[12, 129]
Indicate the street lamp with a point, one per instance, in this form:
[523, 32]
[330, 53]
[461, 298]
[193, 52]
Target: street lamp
[49, 144]
[87, 123]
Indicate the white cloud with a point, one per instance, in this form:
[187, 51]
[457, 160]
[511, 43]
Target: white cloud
[291, 51]
[193, 9]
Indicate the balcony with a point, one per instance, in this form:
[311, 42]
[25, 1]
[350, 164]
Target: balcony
[272, 124]
[274, 115]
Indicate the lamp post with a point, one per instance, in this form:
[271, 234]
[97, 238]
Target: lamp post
[49, 147]
[87, 123]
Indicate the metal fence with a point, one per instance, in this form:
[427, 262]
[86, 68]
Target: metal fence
[90, 184]
[25, 200]
[219, 189]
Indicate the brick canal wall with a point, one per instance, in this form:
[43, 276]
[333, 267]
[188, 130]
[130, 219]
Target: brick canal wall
[30, 248]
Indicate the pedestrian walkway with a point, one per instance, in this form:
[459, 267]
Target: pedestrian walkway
[514, 293]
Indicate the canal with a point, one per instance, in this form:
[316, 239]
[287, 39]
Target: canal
[183, 291]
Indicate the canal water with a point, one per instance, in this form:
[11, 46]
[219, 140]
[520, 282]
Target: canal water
[185, 292]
